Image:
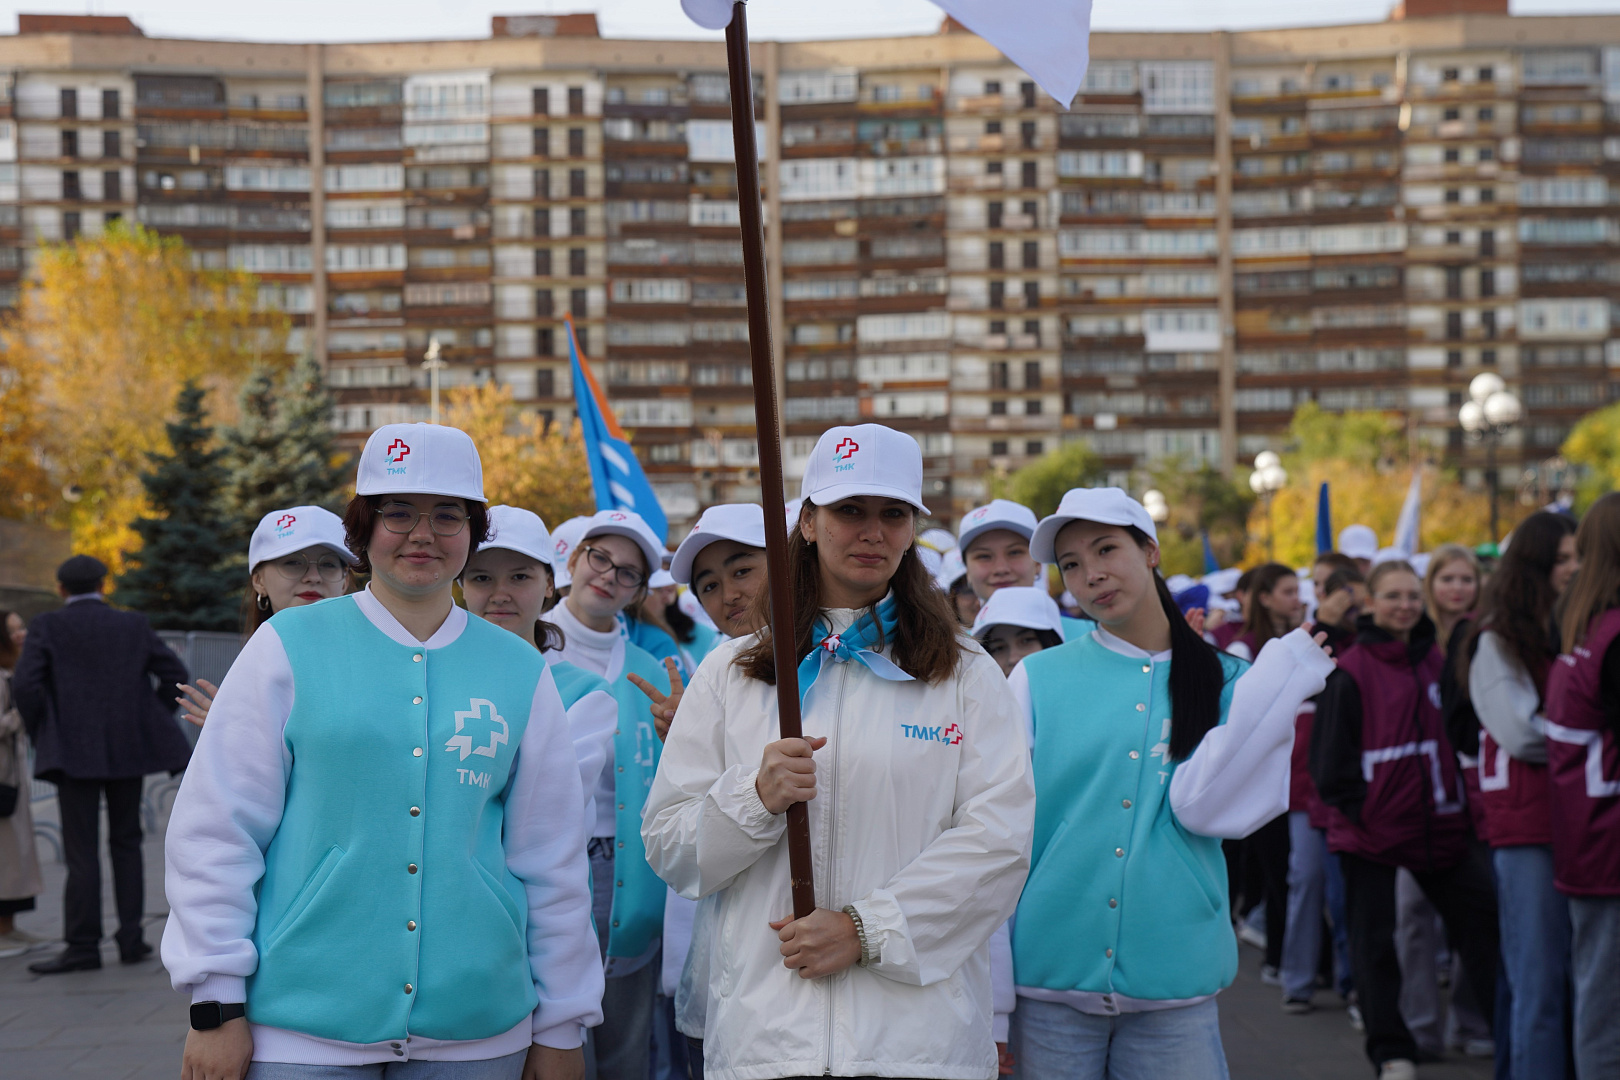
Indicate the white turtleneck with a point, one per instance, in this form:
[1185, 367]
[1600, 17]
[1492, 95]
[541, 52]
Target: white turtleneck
[601, 652]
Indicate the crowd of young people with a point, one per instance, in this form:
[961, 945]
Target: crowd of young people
[540, 833]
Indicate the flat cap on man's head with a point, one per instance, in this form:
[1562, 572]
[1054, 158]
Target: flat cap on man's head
[81, 570]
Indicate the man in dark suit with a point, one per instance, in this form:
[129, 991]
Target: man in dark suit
[84, 687]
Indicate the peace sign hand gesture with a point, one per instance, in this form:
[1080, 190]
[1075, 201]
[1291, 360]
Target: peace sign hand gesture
[663, 705]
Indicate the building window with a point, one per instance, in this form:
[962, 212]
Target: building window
[111, 145]
[70, 186]
[998, 448]
[542, 183]
[112, 186]
[1487, 283]
[994, 168]
[582, 336]
[109, 217]
[578, 303]
[576, 262]
[544, 307]
[1032, 407]
[576, 142]
[1453, 283]
[1487, 74]
[545, 382]
[1032, 375]
[1032, 254]
[1487, 243]
[1450, 74]
[992, 127]
[1026, 134]
[576, 101]
[545, 341]
[995, 210]
[542, 221]
[1453, 195]
[992, 87]
[542, 101]
[1486, 113]
[70, 144]
[542, 262]
[1487, 357]
[1453, 155]
[1026, 90]
[1030, 174]
[70, 104]
[109, 105]
[998, 408]
[542, 142]
[1453, 236]
[1454, 326]
[1487, 195]
[1032, 327]
[1487, 153]
[998, 374]
[1453, 358]
[71, 225]
[576, 221]
[1032, 294]
[998, 255]
[1487, 320]
[576, 183]
[1034, 448]
[998, 294]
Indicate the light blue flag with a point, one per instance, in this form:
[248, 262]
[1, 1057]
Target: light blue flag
[1407, 526]
[616, 476]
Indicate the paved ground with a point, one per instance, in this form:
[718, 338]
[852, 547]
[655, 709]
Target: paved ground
[125, 1023]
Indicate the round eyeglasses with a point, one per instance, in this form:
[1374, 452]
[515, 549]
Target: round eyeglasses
[295, 567]
[627, 576]
[401, 518]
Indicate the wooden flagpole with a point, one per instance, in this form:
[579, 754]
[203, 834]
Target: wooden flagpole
[769, 437]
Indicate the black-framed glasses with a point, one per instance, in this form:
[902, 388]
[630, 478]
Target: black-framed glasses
[294, 567]
[627, 576]
[401, 518]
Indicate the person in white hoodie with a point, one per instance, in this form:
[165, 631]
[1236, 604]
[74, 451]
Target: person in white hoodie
[377, 855]
[919, 793]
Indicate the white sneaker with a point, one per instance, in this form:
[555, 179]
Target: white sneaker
[1398, 1069]
[14, 944]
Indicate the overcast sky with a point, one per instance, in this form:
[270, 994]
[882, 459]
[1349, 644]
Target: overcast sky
[393, 20]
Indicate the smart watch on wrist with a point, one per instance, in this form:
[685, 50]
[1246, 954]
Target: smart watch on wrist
[208, 1015]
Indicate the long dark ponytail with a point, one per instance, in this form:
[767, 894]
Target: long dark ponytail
[1197, 675]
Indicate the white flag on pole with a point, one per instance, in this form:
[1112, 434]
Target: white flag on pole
[1049, 39]
[1406, 527]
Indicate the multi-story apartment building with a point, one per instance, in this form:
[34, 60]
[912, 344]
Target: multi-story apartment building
[1220, 228]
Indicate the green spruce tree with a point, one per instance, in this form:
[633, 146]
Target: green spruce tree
[180, 577]
[282, 451]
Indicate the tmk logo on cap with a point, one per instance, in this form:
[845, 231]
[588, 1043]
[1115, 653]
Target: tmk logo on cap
[979, 514]
[562, 547]
[396, 453]
[843, 452]
[284, 523]
[617, 517]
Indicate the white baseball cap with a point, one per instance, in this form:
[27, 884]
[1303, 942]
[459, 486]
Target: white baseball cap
[1389, 554]
[628, 524]
[1221, 582]
[563, 539]
[996, 514]
[742, 522]
[867, 459]
[522, 531]
[1420, 563]
[939, 540]
[1358, 542]
[951, 567]
[282, 532]
[420, 459]
[1019, 605]
[660, 579]
[792, 507]
[1106, 506]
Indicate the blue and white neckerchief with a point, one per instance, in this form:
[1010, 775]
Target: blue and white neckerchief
[853, 644]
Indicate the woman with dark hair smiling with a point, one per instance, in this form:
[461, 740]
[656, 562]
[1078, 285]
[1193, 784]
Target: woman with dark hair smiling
[377, 856]
[919, 802]
[1148, 749]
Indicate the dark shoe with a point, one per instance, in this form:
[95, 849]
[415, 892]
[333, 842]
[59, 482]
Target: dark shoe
[135, 953]
[66, 961]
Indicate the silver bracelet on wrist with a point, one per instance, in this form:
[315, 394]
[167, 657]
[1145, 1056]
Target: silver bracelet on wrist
[869, 953]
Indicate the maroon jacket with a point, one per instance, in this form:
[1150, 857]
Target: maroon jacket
[1583, 766]
[1513, 795]
[1380, 756]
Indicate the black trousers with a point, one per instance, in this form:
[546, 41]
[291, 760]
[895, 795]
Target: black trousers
[1267, 847]
[1465, 897]
[80, 803]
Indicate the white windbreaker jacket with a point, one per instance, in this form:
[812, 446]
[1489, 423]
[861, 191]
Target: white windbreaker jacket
[922, 820]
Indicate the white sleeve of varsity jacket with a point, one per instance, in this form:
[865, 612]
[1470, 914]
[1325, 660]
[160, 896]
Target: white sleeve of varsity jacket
[1237, 778]
[1505, 699]
[591, 721]
[228, 809]
[703, 823]
[1003, 994]
[545, 849]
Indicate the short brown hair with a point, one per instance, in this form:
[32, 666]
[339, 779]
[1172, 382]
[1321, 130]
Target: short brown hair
[360, 517]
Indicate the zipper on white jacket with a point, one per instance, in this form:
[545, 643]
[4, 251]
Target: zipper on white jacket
[832, 840]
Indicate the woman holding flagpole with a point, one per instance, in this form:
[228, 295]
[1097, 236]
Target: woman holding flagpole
[918, 792]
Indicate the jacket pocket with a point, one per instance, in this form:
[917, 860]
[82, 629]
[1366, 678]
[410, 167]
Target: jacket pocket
[305, 896]
[1213, 896]
[493, 884]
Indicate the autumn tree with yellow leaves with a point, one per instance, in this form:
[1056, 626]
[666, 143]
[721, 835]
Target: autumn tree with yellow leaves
[107, 331]
[1364, 458]
[526, 463]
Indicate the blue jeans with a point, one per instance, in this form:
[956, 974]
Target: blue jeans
[1535, 952]
[1595, 942]
[1308, 871]
[502, 1068]
[1054, 1042]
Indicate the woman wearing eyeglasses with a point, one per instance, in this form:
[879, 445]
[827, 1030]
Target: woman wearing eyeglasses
[377, 856]
[610, 566]
[297, 556]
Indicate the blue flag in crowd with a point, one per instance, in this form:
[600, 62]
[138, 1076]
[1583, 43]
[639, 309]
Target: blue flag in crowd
[1410, 522]
[1210, 565]
[1324, 521]
[616, 475]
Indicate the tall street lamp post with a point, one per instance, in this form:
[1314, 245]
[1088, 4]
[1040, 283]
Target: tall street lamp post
[1268, 478]
[1489, 413]
[433, 365]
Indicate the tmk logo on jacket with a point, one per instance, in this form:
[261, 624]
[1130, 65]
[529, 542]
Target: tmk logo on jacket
[950, 736]
[469, 723]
